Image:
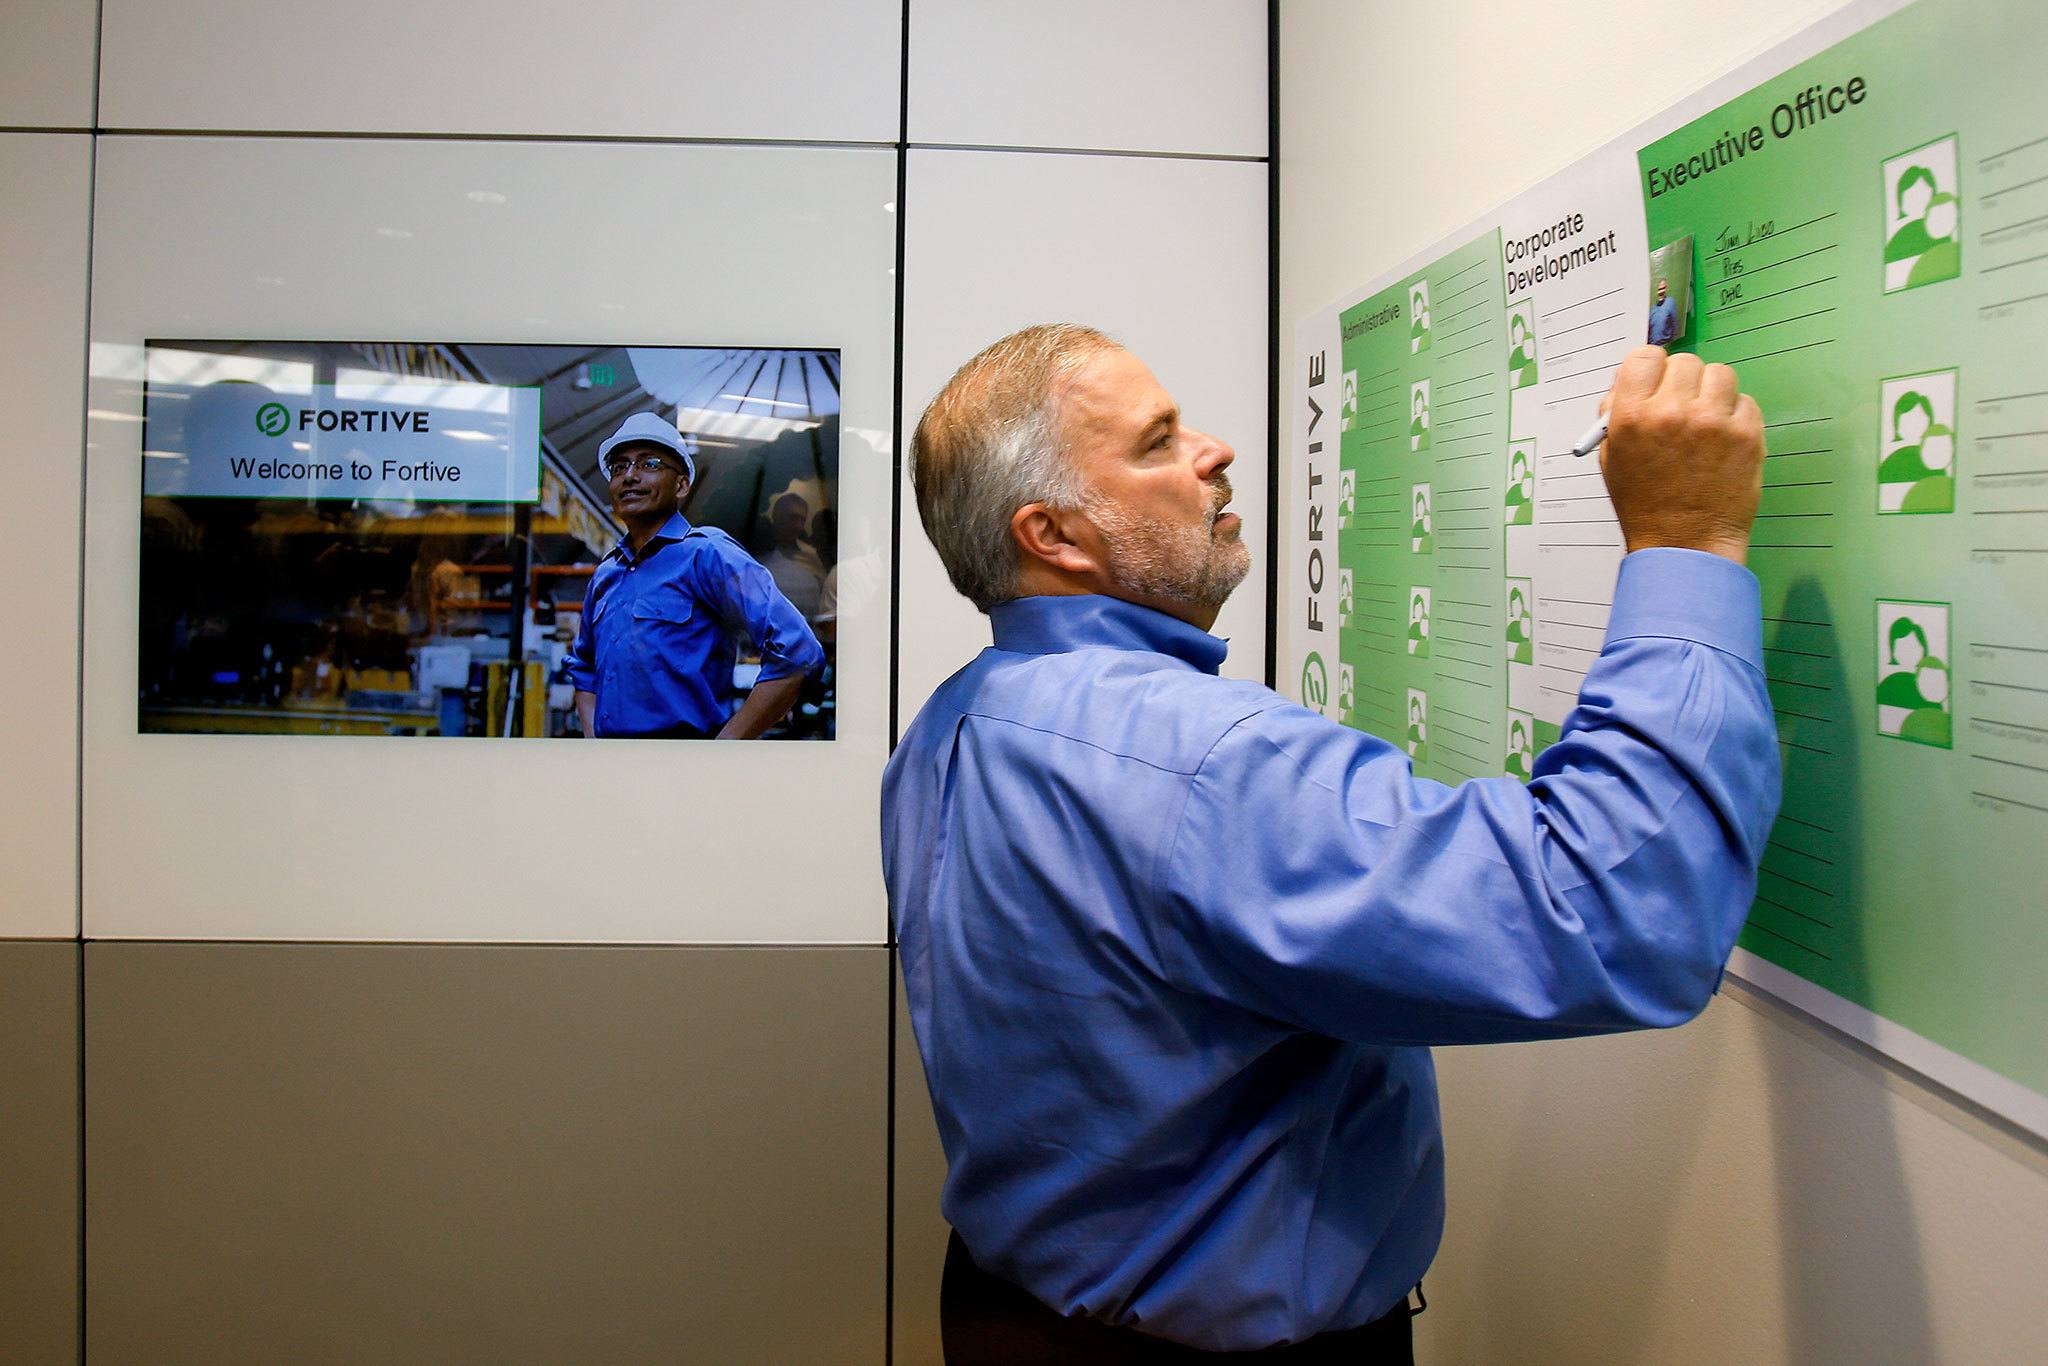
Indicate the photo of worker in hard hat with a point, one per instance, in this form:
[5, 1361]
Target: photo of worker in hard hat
[667, 604]
[492, 540]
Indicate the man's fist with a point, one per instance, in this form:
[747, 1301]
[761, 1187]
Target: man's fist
[1684, 456]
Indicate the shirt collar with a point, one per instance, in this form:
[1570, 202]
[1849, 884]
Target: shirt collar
[1061, 623]
[674, 529]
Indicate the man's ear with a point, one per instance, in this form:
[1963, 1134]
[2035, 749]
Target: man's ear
[1050, 538]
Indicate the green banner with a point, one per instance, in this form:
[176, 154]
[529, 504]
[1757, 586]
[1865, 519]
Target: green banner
[1869, 241]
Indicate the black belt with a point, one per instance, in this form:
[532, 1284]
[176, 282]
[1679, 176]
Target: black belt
[986, 1321]
[678, 731]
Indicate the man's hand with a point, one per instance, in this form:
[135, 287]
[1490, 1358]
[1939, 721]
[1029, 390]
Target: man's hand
[768, 703]
[586, 713]
[1684, 455]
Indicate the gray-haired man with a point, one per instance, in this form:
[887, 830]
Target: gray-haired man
[1175, 947]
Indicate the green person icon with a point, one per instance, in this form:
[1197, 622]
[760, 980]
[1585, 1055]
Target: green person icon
[1418, 416]
[1919, 472]
[1924, 248]
[1348, 412]
[1918, 684]
[1518, 750]
[1418, 728]
[1347, 498]
[1521, 499]
[1418, 318]
[1521, 641]
[1343, 598]
[1420, 539]
[1344, 692]
[1418, 623]
[1521, 350]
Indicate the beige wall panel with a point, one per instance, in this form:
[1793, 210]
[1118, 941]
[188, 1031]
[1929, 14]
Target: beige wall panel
[921, 1230]
[1169, 256]
[485, 1154]
[46, 74]
[818, 69]
[1137, 75]
[1748, 1188]
[38, 1152]
[45, 219]
[369, 838]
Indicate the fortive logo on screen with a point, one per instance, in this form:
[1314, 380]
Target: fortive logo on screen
[273, 419]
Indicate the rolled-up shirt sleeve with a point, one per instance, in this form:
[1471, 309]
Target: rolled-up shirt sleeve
[581, 660]
[748, 600]
[1311, 876]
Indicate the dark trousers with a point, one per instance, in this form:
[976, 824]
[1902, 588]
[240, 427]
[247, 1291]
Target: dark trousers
[985, 1321]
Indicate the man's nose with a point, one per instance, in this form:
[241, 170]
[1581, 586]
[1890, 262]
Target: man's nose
[1213, 455]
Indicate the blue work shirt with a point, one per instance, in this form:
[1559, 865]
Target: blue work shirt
[1175, 946]
[657, 642]
[1664, 321]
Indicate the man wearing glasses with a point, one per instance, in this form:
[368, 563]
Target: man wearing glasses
[654, 655]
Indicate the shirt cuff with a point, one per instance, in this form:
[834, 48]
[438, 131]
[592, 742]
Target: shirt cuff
[1689, 595]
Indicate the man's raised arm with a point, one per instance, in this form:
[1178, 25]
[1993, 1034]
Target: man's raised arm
[1314, 877]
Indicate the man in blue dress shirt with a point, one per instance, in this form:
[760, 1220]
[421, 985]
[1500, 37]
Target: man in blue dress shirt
[1176, 948]
[654, 654]
[1664, 316]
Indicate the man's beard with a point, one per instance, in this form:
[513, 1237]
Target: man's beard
[1178, 564]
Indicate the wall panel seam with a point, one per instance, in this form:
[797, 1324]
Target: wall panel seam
[1273, 382]
[896, 471]
[92, 188]
[601, 139]
[1084, 151]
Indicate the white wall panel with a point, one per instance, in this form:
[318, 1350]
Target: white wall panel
[1168, 256]
[818, 69]
[1136, 75]
[337, 838]
[46, 74]
[43, 227]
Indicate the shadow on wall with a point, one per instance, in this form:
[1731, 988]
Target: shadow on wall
[1849, 1242]
[1613, 1199]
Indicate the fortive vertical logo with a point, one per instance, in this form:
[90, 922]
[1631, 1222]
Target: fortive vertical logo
[1315, 682]
[273, 419]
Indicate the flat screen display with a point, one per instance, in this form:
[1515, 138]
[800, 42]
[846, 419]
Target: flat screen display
[489, 539]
